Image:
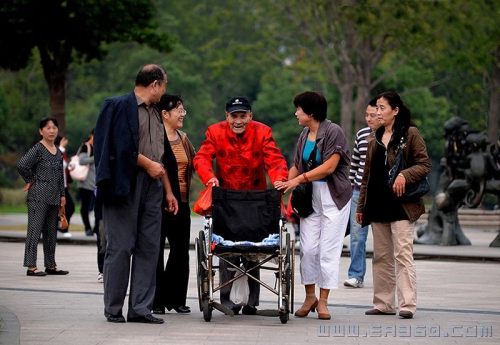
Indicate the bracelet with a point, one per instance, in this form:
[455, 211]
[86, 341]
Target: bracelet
[305, 177]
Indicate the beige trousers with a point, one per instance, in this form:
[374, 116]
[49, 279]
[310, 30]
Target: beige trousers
[394, 267]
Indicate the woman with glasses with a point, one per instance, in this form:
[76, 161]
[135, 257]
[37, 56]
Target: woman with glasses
[172, 279]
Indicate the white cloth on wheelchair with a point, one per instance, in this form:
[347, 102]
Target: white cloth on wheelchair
[271, 240]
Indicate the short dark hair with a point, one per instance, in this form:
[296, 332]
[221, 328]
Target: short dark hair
[45, 120]
[373, 102]
[149, 74]
[312, 103]
[168, 102]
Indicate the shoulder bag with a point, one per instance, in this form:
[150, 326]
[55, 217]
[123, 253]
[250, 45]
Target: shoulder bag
[76, 171]
[413, 191]
[302, 194]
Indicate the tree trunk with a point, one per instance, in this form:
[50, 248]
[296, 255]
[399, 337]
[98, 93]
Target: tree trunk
[57, 94]
[362, 100]
[346, 110]
[55, 67]
[494, 118]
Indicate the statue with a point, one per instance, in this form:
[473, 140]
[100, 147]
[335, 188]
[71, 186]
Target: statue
[469, 172]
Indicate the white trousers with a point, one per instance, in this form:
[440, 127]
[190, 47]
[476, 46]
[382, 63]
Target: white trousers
[321, 238]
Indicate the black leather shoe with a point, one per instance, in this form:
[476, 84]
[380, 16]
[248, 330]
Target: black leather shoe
[236, 310]
[249, 310]
[160, 311]
[114, 318]
[55, 272]
[146, 319]
[183, 309]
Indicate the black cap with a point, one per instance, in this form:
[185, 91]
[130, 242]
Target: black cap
[238, 103]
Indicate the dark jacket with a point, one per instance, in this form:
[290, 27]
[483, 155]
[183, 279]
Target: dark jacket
[418, 162]
[116, 144]
[330, 139]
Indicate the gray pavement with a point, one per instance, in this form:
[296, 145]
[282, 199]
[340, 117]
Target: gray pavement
[458, 300]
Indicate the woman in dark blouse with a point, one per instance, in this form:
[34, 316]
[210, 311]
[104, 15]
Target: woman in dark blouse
[42, 169]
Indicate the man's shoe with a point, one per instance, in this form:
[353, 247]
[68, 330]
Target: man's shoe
[89, 232]
[55, 272]
[406, 314]
[249, 310]
[183, 309]
[353, 282]
[148, 318]
[236, 309]
[378, 312]
[114, 318]
[100, 278]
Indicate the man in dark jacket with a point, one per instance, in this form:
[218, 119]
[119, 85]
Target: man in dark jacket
[130, 178]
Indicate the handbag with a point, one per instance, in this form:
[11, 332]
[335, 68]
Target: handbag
[302, 194]
[413, 191]
[76, 171]
[62, 223]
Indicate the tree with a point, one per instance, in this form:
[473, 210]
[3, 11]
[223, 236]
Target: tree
[64, 31]
[347, 41]
[470, 54]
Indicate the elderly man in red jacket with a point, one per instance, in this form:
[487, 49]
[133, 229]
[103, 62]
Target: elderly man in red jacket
[244, 150]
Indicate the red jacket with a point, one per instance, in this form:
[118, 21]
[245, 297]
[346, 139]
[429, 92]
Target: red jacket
[240, 160]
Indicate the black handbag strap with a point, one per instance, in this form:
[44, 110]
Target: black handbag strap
[399, 161]
[311, 162]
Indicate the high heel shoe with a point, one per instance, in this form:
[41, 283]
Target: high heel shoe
[324, 316]
[304, 311]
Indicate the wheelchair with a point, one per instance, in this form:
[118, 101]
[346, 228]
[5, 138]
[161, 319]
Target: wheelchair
[245, 220]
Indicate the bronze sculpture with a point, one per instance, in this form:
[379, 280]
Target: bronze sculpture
[471, 168]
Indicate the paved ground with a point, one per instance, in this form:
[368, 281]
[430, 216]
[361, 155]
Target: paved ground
[459, 303]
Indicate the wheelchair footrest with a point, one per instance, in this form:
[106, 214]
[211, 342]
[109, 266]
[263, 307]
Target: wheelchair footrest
[269, 312]
[223, 309]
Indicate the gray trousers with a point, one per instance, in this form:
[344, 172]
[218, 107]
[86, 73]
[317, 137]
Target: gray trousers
[132, 227]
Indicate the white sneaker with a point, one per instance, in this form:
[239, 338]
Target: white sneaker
[100, 278]
[67, 234]
[297, 244]
[353, 282]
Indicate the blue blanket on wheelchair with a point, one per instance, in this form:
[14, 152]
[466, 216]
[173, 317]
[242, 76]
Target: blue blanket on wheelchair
[271, 240]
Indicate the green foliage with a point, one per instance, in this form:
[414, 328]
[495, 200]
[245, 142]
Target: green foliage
[252, 48]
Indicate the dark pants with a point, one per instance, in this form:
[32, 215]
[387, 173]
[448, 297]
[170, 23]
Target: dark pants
[87, 197]
[253, 286]
[97, 231]
[42, 220]
[133, 229]
[69, 208]
[172, 279]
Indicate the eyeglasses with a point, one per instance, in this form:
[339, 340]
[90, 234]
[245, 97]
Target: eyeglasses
[182, 111]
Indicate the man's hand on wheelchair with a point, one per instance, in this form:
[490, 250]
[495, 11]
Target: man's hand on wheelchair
[213, 180]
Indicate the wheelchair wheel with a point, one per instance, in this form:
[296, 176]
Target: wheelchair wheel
[207, 310]
[287, 288]
[200, 272]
